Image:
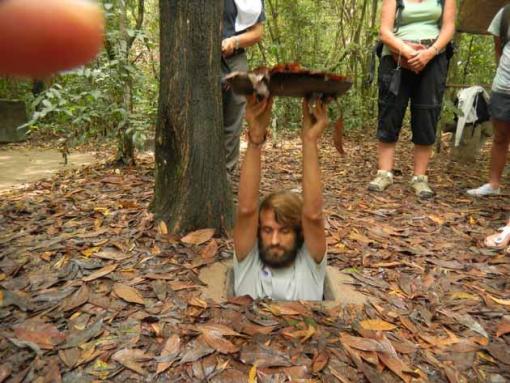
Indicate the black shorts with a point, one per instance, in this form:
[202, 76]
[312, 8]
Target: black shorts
[499, 106]
[425, 90]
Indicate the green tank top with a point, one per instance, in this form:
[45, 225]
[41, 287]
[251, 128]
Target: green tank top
[419, 21]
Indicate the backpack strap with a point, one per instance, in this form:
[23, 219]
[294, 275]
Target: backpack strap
[441, 3]
[398, 15]
[503, 30]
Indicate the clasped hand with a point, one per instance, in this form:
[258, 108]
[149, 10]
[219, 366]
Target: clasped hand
[416, 57]
[420, 60]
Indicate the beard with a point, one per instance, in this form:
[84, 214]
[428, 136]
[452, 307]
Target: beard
[284, 258]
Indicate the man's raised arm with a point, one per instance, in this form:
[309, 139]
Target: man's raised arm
[315, 120]
[258, 116]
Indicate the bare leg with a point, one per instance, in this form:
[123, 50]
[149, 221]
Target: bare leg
[422, 154]
[499, 151]
[386, 155]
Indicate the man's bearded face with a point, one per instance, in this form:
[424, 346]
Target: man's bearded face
[277, 243]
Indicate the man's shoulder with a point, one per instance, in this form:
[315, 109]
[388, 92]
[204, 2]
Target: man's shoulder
[252, 259]
[304, 256]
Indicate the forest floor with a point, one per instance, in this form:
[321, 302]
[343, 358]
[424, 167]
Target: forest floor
[92, 289]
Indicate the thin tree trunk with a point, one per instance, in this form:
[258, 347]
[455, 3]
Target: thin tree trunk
[126, 148]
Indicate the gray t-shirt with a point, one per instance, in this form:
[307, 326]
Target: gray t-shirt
[304, 280]
[501, 83]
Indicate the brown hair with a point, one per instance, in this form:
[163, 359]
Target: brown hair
[287, 207]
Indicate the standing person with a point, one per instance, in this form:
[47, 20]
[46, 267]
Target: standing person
[499, 105]
[413, 67]
[280, 246]
[242, 28]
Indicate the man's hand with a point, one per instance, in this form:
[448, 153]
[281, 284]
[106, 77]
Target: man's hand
[315, 119]
[228, 46]
[258, 116]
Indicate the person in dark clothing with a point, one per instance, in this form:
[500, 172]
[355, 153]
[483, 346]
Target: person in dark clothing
[242, 28]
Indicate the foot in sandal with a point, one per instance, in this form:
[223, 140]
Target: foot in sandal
[499, 240]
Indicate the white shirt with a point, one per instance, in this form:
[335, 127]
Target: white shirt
[303, 280]
[501, 83]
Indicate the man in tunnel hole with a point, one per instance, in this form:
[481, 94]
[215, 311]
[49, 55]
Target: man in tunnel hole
[280, 246]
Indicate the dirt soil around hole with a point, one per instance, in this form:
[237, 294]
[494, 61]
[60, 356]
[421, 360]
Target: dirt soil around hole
[22, 166]
[217, 289]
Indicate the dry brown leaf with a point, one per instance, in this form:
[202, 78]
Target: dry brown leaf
[358, 237]
[218, 328]
[128, 293]
[100, 273]
[45, 335]
[79, 298]
[252, 329]
[163, 230]
[5, 371]
[504, 302]
[390, 358]
[303, 335]
[363, 344]
[287, 308]
[436, 219]
[377, 325]
[215, 340]
[130, 358]
[178, 285]
[503, 328]
[210, 250]
[90, 251]
[198, 237]
[320, 361]
[500, 351]
[463, 295]
[194, 301]
[169, 353]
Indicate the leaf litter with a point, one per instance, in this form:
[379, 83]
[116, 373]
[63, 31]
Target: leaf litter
[92, 288]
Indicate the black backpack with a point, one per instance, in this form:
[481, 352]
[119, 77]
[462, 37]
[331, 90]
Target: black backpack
[378, 48]
[503, 30]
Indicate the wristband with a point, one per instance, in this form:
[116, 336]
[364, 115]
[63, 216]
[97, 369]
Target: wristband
[435, 48]
[236, 39]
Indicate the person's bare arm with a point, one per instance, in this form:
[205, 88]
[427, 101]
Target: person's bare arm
[498, 48]
[446, 34]
[314, 123]
[244, 40]
[386, 35]
[258, 116]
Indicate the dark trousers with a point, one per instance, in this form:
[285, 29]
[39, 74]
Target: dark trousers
[233, 113]
[425, 93]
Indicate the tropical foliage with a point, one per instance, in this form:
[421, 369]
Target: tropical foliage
[332, 35]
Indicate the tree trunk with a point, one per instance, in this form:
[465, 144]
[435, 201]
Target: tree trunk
[191, 189]
[126, 147]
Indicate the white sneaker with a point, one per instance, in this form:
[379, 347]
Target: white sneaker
[483, 191]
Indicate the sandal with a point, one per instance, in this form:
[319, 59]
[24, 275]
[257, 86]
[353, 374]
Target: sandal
[499, 240]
